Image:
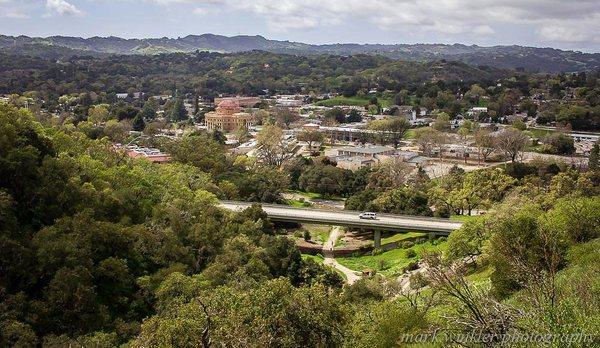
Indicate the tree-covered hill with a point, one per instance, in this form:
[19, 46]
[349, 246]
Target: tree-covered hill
[249, 73]
[529, 58]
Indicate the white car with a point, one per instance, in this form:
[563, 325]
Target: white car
[368, 215]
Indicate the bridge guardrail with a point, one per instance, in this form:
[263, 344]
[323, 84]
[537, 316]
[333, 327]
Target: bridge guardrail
[349, 212]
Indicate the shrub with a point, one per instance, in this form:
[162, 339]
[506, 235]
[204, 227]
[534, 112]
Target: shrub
[442, 212]
[420, 240]
[407, 244]
[306, 236]
[413, 265]
[418, 281]
[410, 253]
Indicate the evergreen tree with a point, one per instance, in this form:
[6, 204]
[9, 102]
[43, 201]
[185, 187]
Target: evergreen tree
[138, 123]
[196, 105]
[594, 162]
[354, 116]
[218, 136]
[179, 113]
[149, 110]
[337, 114]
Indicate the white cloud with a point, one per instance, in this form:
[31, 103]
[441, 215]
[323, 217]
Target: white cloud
[63, 7]
[13, 10]
[583, 30]
[543, 21]
[15, 15]
[555, 20]
[205, 11]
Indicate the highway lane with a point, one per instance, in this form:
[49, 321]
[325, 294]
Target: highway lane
[386, 222]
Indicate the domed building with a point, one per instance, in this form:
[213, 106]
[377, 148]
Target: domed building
[228, 117]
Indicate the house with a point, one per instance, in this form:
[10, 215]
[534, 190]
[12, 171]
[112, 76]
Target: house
[457, 122]
[152, 155]
[411, 157]
[419, 122]
[136, 95]
[289, 101]
[475, 111]
[244, 148]
[311, 127]
[517, 116]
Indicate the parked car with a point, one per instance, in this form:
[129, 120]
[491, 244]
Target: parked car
[368, 215]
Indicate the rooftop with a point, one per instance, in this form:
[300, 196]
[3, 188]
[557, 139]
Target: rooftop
[371, 150]
[357, 159]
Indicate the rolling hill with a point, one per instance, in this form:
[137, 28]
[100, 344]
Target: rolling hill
[527, 58]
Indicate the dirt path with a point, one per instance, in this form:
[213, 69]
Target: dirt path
[351, 276]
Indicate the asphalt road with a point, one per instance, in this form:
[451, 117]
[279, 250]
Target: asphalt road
[350, 218]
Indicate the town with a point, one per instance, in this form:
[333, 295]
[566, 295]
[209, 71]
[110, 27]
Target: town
[329, 168]
[344, 174]
[351, 132]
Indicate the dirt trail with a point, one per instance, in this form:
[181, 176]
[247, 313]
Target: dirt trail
[351, 275]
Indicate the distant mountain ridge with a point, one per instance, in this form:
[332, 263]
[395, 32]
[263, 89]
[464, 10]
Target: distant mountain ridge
[528, 58]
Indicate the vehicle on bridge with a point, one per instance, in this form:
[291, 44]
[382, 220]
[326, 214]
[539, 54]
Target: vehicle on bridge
[368, 215]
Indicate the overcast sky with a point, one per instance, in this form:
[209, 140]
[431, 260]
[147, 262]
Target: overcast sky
[567, 24]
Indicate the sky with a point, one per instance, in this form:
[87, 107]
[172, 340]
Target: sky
[565, 24]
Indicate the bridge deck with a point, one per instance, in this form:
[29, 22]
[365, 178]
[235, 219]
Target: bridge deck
[386, 222]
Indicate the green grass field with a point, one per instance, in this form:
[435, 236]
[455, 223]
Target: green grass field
[463, 218]
[481, 277]
[314, 195]
[540, 133]
[337, 101]
[411, 133]
[402, 236]
[298, 204]
[318, 233]
[390, 263]
[316, 258]
[319, 259]
[306, 194]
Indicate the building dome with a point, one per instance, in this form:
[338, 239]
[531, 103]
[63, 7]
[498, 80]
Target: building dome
[229, 104]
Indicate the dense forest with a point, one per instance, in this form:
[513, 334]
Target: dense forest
[212, 73]
[88, 237]
[102, 250]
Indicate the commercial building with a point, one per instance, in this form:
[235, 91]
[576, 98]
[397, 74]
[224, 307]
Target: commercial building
[356, 157]
[366, 151]
[355, 162]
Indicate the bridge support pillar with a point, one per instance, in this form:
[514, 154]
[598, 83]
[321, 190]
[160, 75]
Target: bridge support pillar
[377, 239]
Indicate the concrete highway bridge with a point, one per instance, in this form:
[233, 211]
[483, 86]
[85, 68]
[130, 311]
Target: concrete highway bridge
[384, 222]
